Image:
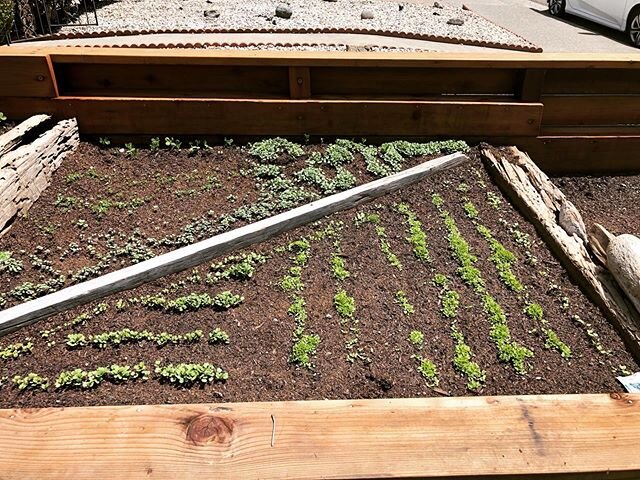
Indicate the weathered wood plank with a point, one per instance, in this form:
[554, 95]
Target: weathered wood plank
[25, 172]
[192, 255]
[528, 187]
[153, 116]
[16, 135]
[575, 436]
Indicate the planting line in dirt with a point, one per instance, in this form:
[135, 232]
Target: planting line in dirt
[509, 350]
[463, 356]
[345, 306]
[449, 303]
[503, 259]
[192, 255]
[545, 206]
[343, 31]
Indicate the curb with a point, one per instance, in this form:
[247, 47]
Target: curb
[360, 31]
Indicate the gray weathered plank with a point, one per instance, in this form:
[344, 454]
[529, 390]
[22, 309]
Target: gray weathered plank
[192, 255]
[13, 138]
[25, 171]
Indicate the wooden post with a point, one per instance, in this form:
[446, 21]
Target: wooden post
[532, 85]
[299, 82]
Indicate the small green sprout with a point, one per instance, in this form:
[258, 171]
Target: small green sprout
[416, 338]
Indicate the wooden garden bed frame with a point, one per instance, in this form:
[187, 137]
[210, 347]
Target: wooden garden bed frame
[572, 112]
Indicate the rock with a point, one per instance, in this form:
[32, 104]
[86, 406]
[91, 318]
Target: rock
[330, 0]
[400, 7]
[366, 15]
[623, 260]
[283, 11]
[360, 48]
[211, 13]
[570, 220]
[437, 5]
[455, 21]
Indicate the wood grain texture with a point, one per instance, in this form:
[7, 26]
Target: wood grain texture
[584, 81]
[532, 86]
[18, 134]
[591, 110]
[108, 116]
[188, 81]
[541, 202]
[372, 59]
[299, 82]
[589, 436]
[25, 172]
[198, 253]
[26, 76]
[413, 82]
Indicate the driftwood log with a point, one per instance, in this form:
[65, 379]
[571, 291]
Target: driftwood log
[201, 252]
[26, 166]
[561, 226]
[20, 134]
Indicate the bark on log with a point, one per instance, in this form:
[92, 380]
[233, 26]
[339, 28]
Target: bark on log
[543, 204]
[25, 171]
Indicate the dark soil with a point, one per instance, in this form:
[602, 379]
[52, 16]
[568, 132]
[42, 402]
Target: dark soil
[611, 201]
[261, 331]
[6, 126]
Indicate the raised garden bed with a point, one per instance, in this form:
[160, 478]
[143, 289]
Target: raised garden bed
[344, 308]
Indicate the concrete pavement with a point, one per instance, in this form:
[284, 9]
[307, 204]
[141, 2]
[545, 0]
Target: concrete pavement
[531, 20]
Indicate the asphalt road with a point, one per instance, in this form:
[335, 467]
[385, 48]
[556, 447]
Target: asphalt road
[531, 20]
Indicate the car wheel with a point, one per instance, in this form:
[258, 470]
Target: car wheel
[634, 28]
[556, 7]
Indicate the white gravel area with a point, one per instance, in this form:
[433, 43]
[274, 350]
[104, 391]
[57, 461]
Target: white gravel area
[256, 14]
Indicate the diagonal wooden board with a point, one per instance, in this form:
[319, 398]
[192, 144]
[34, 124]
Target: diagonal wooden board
[198, 253]
[572, 436]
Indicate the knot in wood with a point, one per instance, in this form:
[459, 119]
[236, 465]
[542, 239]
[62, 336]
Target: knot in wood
[622, 397]
[205, 429]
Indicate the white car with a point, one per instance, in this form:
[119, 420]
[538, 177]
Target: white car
[623, 15]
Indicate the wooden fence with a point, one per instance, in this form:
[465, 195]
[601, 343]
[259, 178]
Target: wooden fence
[573, 112]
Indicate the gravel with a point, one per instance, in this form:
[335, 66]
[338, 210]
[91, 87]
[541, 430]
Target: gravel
[259, 14]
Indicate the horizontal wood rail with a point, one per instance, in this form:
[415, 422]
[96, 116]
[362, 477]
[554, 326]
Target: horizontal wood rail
[590, 99]
[564, 436]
